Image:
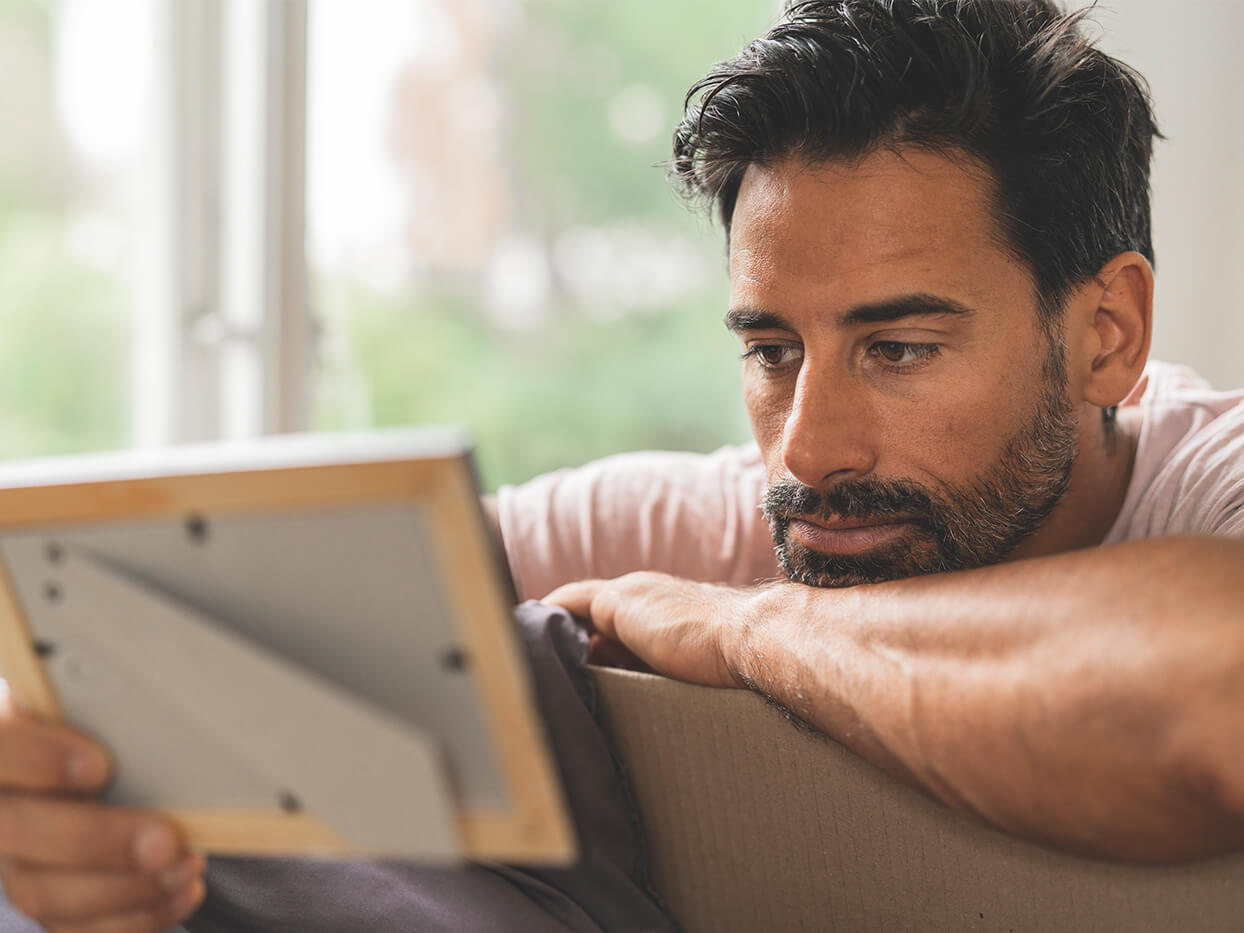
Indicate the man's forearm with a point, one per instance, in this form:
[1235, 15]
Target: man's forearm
[1094, 699]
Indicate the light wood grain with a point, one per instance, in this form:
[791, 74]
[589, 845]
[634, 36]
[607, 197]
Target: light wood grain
[259, 832]
[533, 827]
[538, 821]
[29, 685]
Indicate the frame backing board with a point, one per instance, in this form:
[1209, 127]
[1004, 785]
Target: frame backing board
[297, 645]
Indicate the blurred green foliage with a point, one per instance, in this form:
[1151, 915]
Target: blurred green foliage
[580, 387]
[64, 343]
[534, 402]
[566, 61]
[64, 324]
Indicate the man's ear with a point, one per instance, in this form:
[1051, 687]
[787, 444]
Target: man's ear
[1118, 326]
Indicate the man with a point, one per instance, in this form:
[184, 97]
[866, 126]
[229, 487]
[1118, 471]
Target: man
[941, 279]
[1008, 557]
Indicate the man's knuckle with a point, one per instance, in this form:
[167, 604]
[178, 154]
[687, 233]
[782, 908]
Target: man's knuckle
[94, 836]
[12, 824]
[30, 756]
[160, 916]
[26, 893]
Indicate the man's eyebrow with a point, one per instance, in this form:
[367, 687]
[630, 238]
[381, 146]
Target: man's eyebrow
[893, 309]
[739, 320]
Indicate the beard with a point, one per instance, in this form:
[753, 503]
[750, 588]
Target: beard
[953, 528]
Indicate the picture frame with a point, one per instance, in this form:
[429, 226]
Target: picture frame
[300, 645]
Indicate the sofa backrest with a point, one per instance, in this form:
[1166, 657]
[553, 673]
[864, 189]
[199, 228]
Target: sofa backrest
[755, 824]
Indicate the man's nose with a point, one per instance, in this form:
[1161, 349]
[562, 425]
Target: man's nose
[828, 435]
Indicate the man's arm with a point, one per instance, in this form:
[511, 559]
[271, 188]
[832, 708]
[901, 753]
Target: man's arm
[1093, 699]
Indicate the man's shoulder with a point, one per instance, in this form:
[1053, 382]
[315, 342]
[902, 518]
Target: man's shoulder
[622, 482]
[694, 515]
[1182, 414]
[1188, 476]
[1173, 385]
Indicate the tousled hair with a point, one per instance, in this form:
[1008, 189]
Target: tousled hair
[1065, 130]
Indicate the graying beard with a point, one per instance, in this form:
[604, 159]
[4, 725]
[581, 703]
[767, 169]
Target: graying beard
[979, 525]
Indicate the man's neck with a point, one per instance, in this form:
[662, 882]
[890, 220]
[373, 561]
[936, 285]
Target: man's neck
[1098, 487]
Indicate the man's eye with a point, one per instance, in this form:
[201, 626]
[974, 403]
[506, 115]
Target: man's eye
[893, 351]
[772, 355]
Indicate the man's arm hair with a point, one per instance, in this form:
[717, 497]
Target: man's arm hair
[1094, 699]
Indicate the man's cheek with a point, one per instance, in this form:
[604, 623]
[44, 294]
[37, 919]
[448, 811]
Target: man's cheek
[965, 438]
[767, 412]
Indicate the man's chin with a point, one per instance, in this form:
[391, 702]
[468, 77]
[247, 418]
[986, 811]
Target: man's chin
[905, 558]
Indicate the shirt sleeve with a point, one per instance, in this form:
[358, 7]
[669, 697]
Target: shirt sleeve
[1213, 492]
[1193, 473]
[692, 515]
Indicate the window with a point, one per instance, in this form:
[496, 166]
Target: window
[490, 239]
[74, 220]
[226, 217]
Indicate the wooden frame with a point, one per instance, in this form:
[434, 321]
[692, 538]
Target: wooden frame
[533, 828]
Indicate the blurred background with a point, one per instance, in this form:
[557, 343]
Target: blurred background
[220, 218]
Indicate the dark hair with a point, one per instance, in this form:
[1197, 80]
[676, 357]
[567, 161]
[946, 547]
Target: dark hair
[1066, 130]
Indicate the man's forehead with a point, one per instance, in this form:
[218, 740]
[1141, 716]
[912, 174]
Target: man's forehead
[914, 215]
[880, 194]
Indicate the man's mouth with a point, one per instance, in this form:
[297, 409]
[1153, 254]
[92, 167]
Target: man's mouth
[845, 535]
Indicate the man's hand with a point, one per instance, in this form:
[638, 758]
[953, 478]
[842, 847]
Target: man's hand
[1089, 699]
[73, 865]
[676, 627]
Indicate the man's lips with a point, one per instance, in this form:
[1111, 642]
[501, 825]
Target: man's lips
[845, 535]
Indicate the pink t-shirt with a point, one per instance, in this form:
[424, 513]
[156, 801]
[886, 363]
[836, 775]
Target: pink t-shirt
[1188, 478]
[698, 516]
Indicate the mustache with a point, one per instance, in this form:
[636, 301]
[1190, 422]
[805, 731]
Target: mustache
[863, 499]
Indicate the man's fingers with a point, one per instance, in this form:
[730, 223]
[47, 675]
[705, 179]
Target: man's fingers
[598, 600]
[81, 835]
[155, 918]
[575, 598]
[49, 757]
[609, 653]
[55, 896]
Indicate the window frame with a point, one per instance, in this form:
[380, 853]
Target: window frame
[222, 332]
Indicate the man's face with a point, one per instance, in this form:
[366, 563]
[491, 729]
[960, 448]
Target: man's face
[912, 413]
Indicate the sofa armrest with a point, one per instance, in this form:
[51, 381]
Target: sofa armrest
[754, 823]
